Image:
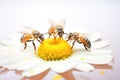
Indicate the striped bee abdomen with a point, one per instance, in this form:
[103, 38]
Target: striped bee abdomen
[86, 43]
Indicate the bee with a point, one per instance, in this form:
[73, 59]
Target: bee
[80, 38]
[30, 37]
[56, 29]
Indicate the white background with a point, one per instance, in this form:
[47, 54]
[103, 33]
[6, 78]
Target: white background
[94, 15]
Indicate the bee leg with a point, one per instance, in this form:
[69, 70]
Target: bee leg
[39, 41]
[25, 45]
[60, 34]
[67, 40]
[41, 37]
[73, 44]
[54, 36]
[49, 35]
[34, 46]
[86, 48]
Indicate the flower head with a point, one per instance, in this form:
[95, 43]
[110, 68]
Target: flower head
[54, 49]
[53, 53]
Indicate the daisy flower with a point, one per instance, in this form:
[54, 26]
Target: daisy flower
[55, 55]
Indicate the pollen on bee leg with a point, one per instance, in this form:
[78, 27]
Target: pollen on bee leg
[54, 49]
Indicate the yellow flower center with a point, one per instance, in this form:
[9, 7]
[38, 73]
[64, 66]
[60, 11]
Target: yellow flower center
[54, 49]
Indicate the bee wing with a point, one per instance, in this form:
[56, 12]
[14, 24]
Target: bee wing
[28, 28]
[25, 30]
[52, 22]
[62, 22]
[85, 35]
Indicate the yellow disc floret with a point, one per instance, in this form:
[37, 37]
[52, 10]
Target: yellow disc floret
[54, 49]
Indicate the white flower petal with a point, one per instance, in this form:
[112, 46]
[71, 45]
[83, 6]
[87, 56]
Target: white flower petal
[36, 70]
[12, 59]
[9, 53]
[12, 40]
[15, 36]
[101, 52]
[95, 36]
[16, 50]
[6, 42]
[97, 51]
[84, 67]
[12, 45]
[93, 57]
[62, 65]
[10, 56]
[100, 44]
[1, 47]
[26, 63]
